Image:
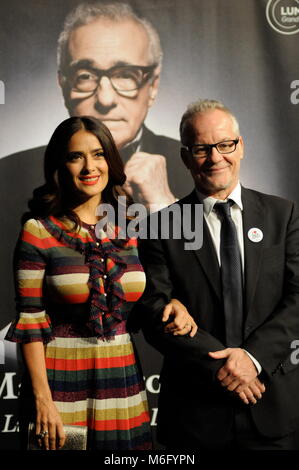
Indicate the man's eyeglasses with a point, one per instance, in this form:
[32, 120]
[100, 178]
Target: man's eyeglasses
[204, 150]
[125, 79]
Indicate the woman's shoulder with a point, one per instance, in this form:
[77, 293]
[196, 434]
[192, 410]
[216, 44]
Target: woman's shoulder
[36, 227]
[31, 225]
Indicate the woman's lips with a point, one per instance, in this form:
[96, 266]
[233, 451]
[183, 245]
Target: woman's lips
[89, 180]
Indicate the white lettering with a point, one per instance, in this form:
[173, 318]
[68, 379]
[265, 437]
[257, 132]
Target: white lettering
[7, 424]
[150, 381]
[153, 459]
[289, 11]
[290, 19]
[163, 459]
[115, 460]
[8, 383]
[154, 416]
[2, 352]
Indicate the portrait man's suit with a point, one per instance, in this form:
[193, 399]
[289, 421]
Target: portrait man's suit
[192, 400]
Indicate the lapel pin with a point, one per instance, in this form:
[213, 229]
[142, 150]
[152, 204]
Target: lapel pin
[255, 235]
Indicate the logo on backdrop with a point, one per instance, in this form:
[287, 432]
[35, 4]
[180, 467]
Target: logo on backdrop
[283, 15]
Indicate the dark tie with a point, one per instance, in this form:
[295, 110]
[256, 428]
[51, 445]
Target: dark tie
[231, 275]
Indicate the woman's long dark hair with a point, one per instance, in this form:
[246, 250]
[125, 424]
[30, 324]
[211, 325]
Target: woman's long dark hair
[54, 197]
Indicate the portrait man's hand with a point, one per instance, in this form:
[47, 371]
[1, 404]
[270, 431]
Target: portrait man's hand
[238, 369]
[147, 180]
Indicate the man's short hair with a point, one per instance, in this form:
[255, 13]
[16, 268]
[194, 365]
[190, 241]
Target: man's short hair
[86, 13]
[200, 107]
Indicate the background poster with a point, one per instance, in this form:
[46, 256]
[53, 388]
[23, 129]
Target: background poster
[244, 53]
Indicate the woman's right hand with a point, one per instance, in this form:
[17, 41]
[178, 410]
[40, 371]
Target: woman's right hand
[48, 421]
[182, 323]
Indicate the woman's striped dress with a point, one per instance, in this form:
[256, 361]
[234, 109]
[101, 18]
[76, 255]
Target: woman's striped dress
[74, 293]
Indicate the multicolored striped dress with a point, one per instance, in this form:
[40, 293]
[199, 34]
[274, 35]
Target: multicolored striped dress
[75, 290]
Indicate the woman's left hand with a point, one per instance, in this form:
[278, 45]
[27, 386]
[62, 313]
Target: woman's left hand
[182, 323]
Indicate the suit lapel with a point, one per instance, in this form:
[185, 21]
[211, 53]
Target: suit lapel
[253, 217]
[206, 255]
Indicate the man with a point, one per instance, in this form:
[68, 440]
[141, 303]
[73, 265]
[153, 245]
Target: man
[234, 385]
[109, 62]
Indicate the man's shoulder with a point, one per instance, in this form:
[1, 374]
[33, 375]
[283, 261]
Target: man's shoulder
[19, 173]
[150, 141]
[271, 200]
[24, 158]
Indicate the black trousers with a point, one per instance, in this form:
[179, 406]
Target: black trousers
[242, 435]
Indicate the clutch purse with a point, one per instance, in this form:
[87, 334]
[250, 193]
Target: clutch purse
[76, 437]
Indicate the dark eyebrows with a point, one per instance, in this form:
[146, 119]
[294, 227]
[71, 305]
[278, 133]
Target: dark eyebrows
[80, 152]
[225, 139]
[91, 65]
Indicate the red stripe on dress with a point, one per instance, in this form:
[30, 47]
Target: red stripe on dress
[48, 242]
[73, 234]
[132, 296]
[120, 424]
[90, 363]
[30, 291]
[32, 326]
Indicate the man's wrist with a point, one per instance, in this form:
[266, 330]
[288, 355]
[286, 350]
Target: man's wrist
[255, 362]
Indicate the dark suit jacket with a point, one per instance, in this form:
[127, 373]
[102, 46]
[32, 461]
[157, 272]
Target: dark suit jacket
[178, 176]
[193, 406]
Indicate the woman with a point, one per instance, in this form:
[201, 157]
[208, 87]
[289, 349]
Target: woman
[75, 288]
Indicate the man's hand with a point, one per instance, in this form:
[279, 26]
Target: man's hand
[250, 393]
[147, 181]
[238, 369]
[182, 323]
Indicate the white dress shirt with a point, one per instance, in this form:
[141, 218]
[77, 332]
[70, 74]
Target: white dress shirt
[214, 224]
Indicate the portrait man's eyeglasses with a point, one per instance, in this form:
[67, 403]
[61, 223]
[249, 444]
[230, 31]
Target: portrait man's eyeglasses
[126, 80]
[204, 150]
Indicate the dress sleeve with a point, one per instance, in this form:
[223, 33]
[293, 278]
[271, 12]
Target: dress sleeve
[32, 322]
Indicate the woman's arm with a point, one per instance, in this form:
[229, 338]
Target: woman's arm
[47, 415]
[32, 327]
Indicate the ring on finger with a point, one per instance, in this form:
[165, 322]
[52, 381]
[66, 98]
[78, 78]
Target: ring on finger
[42, 434]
